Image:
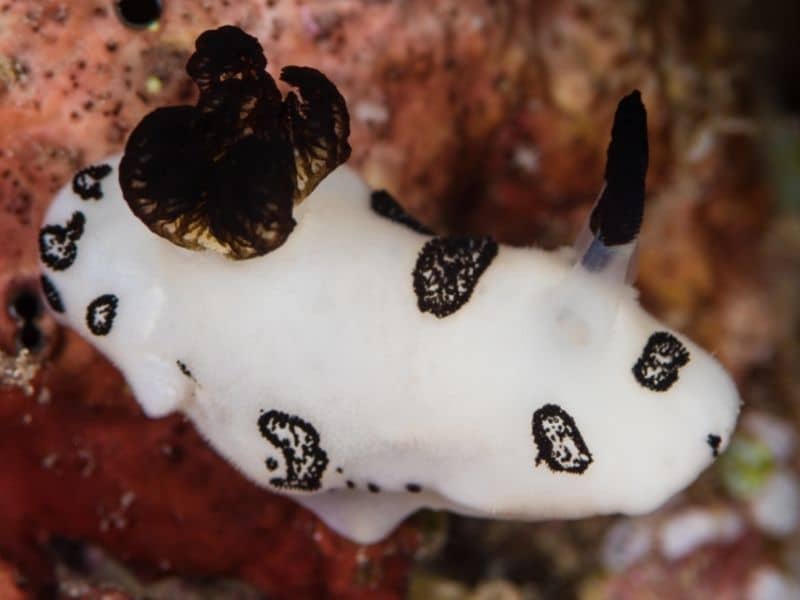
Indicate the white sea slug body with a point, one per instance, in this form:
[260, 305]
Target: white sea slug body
[353, 360]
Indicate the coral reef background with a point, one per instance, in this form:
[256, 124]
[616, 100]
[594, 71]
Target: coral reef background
[478, 116]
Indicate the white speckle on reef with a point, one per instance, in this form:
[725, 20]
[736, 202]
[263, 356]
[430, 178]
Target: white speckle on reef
[695, 527]
[526, 158]
[702, 146]
[478, 23]
[118, 517]
[625, 543]
[89, 463]
[361, 557]
[153, 85]
[44, 396]
[776, 506]
[371, 112]
[18, 370]
[127, 500]
[74, 589]
[572, 89]
[769, 584]
[49, 461]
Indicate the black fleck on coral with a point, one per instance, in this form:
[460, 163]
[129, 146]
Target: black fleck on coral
[299, 443]
[661, 359]
[559, 441]
[448, 270]
[225, 174]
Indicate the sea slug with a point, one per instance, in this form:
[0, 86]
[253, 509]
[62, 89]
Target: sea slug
[338, 351]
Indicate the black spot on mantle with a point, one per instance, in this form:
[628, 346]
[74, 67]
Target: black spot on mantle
[559, 441]
[100, 314]
[662, 357]
[51, 294]
[58, 247]
[383, 204]
[299, 443]
[448, 270]
[86, 182]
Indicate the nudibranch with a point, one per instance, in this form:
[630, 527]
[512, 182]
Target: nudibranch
[339, 352]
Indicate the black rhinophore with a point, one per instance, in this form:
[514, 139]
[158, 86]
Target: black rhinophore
[617, 217]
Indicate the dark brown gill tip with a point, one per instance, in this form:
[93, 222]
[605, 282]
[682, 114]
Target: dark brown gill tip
[226, 53]
[224, 174]
[319, 126]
